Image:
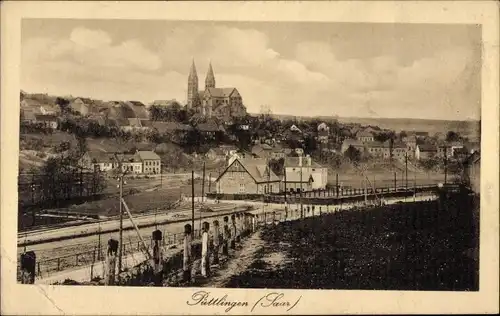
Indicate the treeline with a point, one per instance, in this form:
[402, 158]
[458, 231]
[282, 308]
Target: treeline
[59, 180]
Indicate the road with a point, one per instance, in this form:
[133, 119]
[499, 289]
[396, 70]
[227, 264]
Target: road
[52, 249]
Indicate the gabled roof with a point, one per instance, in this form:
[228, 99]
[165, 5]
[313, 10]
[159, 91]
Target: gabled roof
[221, 92]
[208, 127]
[163, 127]
[294, 176]
[28, 115]
[364, 134]
[291, 162]
[427, 148]
[134, 122]
[257, 168]
[148, 155]
[352, 142]
[124, 158]
[46, 118]
[101, 156]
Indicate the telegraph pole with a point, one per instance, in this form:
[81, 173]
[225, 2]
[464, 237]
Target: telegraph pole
[120, 249]
[406, 169]
[301, 204]
[203, 184]
[192, 198]
[445, 164]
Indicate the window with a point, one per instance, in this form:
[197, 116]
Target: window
[242, 187]
[242, 175]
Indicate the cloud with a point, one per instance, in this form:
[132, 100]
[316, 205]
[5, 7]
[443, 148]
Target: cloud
[308, 80]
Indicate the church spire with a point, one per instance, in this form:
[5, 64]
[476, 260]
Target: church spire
[192, 90]
[192, 71]
[210, 80]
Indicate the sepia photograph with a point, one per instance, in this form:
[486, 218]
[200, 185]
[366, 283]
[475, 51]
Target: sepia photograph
[271, 155]
[257, 155]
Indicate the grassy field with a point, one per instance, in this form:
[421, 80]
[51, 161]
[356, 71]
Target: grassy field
[419, 246]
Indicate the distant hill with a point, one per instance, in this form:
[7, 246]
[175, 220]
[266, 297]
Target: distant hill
[468, 128]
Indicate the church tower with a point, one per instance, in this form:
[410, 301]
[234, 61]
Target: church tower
[210, 80]
[192, 93]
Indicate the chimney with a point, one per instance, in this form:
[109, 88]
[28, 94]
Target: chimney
[300, 160]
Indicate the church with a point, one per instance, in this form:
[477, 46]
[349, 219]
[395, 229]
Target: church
[222, 103]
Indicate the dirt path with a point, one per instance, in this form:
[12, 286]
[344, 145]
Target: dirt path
[239, 263]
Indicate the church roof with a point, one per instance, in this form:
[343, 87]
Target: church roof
[221, 92]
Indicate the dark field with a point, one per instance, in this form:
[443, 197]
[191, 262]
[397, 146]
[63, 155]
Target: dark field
[418, 246]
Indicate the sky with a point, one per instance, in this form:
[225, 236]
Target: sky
[375, 70]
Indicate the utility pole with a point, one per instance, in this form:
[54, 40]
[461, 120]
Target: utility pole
[284, 174]
[445, 164]
[192, 199]
[120, 249]
[395, 181]
[209, 182]
[406, 169]
[337, 183]
[99, 243]
[301, 204]
[203, 186]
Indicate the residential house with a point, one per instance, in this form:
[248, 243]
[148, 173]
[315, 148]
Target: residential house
[323, 135]
[473, 172]
[39, 107]
[151, 162]
[209, 129]
[98, 161]
[262, 150]
[425, 151]
[49, 121]
[176, 131]
[352, 143]
[411, 145]
[81, 105]
[138, 108]
[461, 154]
[247, 176]
[400, 151]
[299, 151]
[308, 167]
[131, 125]
[446, 149]
[167, 103]
[294, 128]
[278, 153]
[131, 163]
[28, 115]
[364, 136]
[297, 180]
[99, 119]
[378, 149]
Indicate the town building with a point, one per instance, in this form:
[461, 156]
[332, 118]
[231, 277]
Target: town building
[425, 151]
[98, 161]
[401, 151]
[151, 162]
[247, 176]
[223, 103]
[131, 163]
[352, 143]
[81, 105]
[378, 149]
[306, 166]
[49, 121]
[364, 136]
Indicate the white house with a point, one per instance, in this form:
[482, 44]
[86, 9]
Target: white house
[296, 165]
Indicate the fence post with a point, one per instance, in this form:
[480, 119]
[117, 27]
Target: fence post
[76, 259]
[58, 264]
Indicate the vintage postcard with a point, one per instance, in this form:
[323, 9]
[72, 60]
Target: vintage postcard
[249, 158]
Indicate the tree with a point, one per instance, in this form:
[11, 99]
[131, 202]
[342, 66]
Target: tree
[63, 104]
[452, 136]
[277, 165]
[353, 154]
